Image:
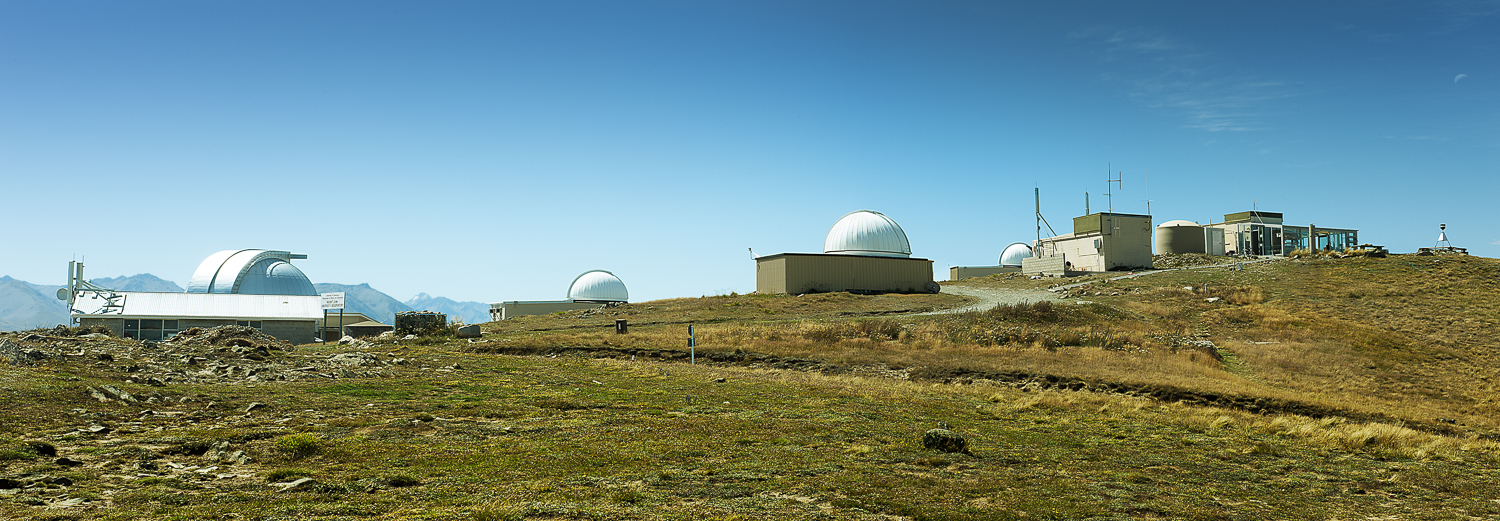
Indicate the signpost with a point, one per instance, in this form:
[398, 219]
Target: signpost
[332, 301]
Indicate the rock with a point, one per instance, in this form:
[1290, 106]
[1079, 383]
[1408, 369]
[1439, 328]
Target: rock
[719, 380]
[346, 340]
[95, 336]
[296, 485]
[1211, 300]
[409, 337]
[386, 335]
[944, 440]
[98, 395]
[253, 406]
[354, 360]
[67, 462]
[98, 429]
[8, 484]
[470, 331]
[117, 393]
[42, 448]
[11, 352]
[106, 357]
[32, 338]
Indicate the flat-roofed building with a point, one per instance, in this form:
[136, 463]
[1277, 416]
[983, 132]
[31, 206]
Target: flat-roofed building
[1101, 241]
[251, 287]
[864, 252]
[591, 289]
[1259, 233]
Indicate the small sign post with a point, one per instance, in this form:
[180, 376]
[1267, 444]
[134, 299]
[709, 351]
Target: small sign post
[692, 346]
[332, 301]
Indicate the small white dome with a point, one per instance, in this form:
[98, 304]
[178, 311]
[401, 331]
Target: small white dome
[599, 286]
[1179, 222]
[867, 232]
[1014, 253]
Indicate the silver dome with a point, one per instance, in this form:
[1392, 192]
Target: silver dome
[867, 232]
[1014, 253]
[251, 272]
[598, 286]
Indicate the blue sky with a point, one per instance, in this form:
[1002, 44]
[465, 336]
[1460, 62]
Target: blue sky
[494, 150]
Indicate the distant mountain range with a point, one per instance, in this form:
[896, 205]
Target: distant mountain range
[27, 306]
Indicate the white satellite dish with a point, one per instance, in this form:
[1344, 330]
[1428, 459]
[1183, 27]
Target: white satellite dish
[63, 293]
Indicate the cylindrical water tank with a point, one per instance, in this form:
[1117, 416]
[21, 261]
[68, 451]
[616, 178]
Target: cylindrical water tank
[1179, 237]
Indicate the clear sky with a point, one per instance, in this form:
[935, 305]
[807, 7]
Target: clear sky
[494, 150]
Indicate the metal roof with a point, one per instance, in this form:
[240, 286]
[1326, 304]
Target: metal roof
[598, 285]
[255, 272]
[867, 232]
[202, 305]
[1014, 253]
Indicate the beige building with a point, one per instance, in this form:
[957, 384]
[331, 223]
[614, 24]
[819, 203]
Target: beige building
[864, 252]
[1100, 242]
[798, 273]
[340, 325]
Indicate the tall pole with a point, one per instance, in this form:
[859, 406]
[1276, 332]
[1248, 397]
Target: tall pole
[1038, 193]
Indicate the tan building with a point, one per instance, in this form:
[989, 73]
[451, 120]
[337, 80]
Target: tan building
[798, 273]
[865, 252]
[1100, 242]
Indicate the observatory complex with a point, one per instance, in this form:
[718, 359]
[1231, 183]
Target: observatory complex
[255, 288]
[864, 252]
[591, 289]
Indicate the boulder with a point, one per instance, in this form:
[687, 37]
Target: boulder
[944, 440]
[297, 485]
[469, 331]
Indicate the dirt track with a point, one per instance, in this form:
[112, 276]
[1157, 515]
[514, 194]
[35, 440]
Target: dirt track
[989, 298]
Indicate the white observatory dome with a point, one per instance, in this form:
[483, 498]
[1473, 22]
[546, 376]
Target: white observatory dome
[867, 232]
[598, 286]
[1014, 253]
[251, 272]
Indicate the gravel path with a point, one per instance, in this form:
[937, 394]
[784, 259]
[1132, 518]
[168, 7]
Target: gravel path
[989, 298]
[1150, 272]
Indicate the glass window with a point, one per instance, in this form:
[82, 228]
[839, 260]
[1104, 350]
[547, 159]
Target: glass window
[131, 323]
[169, 324]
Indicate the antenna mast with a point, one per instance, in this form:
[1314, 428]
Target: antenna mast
[1109, 183]
[1039, 219]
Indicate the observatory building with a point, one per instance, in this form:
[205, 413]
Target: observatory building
[1010, 262]
[1262, 233]
[592, 289]
[1100, 242]
[255, 288]
[864, 252]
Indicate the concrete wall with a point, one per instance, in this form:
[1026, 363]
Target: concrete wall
[966, 272]
[520, 309]
[1054, 265]
[798, 273]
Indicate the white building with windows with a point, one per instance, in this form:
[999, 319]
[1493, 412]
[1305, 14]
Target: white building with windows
[255, 288]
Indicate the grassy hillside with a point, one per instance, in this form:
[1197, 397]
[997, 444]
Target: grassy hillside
[1309, 389]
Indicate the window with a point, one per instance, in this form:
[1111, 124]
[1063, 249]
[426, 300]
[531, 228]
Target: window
[148, 329]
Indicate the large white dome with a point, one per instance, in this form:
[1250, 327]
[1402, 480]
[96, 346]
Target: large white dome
[1014, 253]
[251, 272]
[867, 232]
[598, 286]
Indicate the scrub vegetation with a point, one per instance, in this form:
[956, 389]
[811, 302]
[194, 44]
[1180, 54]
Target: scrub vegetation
[1298, 389]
